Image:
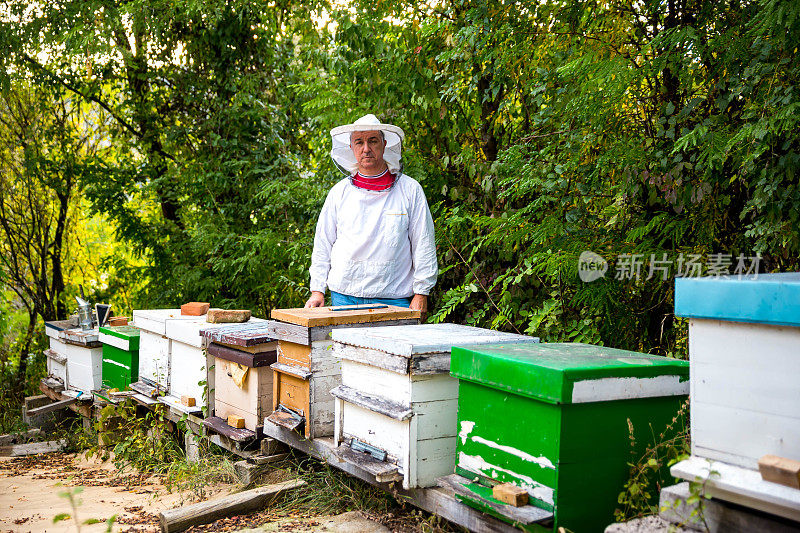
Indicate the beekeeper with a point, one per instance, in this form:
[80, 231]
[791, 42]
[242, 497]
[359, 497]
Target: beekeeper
[374, 241]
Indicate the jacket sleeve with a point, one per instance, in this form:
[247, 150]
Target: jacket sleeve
[324, 238]
[423, 244]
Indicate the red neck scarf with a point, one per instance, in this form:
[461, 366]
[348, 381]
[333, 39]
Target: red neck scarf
[380, 182]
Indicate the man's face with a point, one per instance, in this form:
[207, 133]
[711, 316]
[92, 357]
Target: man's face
[368, 147]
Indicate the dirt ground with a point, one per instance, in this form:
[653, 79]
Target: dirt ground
[31, 496]
[30, 489]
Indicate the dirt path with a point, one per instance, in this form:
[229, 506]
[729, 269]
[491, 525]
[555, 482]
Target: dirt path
[29, 495]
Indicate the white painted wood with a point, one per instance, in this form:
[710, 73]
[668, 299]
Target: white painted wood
[323, 360]
[608, 389]
[51, 332]
[84, 368]
[740, 436]
[154, 350]
[374, 358]
[376, 381]
[187, 329]
[323, 404]
[765, 389]
[435, 458]
[744, 390]
[338, 411]
[423, 338]
[378, 430]
[436, 419]
[189, 366]
[742, 486]
[155, 320]
[56, 365]
[434, 387]
[116, 342]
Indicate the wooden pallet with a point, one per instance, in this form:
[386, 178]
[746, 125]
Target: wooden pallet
[440, 501]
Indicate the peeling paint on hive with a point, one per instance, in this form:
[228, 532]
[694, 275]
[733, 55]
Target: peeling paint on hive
[466, 429]
[534, 488]
[542, 461]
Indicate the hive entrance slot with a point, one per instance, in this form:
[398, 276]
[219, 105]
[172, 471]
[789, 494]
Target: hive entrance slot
[376, 453]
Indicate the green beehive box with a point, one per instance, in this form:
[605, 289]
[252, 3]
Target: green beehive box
[120, 356]
[554, 420]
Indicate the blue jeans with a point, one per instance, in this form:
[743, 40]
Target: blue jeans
[343, 299]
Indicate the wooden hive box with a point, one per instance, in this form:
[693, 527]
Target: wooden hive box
[154, 345]
[306, 370]
[191, 365]
[251, 348]
[56, 354]
[744, 346]
[554, 420]
[120, 356]
[396, 407]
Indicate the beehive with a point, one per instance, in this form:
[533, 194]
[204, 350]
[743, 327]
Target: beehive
[306, 371]
[190, 363]
[154, 345]
[242, 375]
[75, 355]
[397, 402]
[744, 344]
[120, 356]
[554, 419]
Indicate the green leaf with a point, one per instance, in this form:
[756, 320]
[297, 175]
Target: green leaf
[61, 516]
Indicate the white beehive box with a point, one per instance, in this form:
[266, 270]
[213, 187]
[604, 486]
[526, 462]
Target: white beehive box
[306, 370]
[154, 346]
[744, 351]
[397, 406]
[75, 356]
[744, 348]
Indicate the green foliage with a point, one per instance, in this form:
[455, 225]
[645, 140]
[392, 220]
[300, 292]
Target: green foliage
[649, 473]
[538, 130]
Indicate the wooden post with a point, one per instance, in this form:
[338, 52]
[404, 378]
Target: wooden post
[175, 520]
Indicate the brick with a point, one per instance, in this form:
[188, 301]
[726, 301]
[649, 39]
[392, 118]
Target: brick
[188, 401]
[510, 494]
[780, 470]
[195, 308]
[227, 316]
[235, 421]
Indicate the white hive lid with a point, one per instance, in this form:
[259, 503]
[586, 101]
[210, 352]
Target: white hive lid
[423, 338]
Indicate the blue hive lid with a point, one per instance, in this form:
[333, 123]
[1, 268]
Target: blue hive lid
[762, 299]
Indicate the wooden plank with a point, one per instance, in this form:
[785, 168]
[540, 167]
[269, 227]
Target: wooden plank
[145, 389]
[715, 515]
[252, 333]
[294, 354]
[373, 403]
[55, 356]
[740, 486]
[82, 408]
[741, 436]
[78, 337]
[383, 472]
[320, 333]
[218, 425]
[182, 518]
[527, 514]
[252, 360]
[439, 501]
[32, 448]
[295, 371]
[331, 316]
[371, 357]
[424, 338]
[288, 332]
[55, 406]
[284, 419]
[268, 459]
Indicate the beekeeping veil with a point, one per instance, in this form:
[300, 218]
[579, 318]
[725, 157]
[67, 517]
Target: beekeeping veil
[343, 156]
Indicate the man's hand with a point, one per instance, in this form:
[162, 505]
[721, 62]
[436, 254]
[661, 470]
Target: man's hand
[419, 303]
[317, 299]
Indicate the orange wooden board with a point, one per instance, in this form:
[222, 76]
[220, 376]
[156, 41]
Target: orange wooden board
[293, 354]
[330, 316]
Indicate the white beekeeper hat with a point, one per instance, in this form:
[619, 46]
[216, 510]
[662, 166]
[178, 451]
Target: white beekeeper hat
[343, 156]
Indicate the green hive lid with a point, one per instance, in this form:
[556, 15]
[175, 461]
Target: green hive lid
[123, 332]
[570, 373]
